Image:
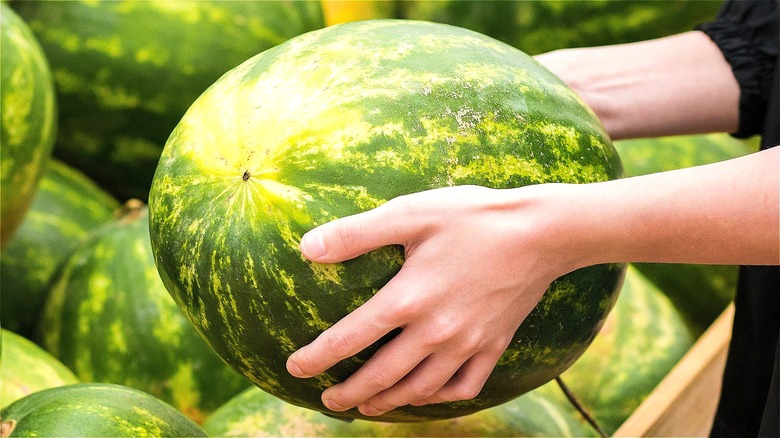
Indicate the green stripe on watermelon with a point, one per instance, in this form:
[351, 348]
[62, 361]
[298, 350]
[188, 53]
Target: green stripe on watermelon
[66, 207]
[28, 119]
[95, 410]
[700, 292]
[26, 368]
[110, 319]
[542, 412]
[126, 71]
[642, 339]
[338, 121]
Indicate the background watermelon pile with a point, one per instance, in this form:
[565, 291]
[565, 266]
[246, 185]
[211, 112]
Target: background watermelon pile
[90, 92]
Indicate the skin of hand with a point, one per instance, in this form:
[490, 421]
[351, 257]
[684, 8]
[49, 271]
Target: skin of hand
[679, 84]
[481, 280]
[478, 259]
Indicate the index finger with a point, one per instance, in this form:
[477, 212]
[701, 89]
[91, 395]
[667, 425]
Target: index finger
[348, 237]
[350, 335]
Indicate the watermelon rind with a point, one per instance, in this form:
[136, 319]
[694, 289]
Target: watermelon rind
[126, 71]
[25, 368]
[28, 119]
[544, 25]
[642, 339]
[542, 412]
[314, 129]
[95, 410]
[110, 319]
[66, 207]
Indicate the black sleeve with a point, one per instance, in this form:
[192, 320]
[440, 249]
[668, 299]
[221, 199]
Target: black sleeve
[746, 31]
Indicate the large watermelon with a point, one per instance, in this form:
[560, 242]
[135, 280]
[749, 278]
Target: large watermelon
[126, 71]
[28, 119]
[26, 368]
[338, 121]
[542, 412]
[700, 292]
[110, 319]
[66, 207]
[642, 339]
[94, 410]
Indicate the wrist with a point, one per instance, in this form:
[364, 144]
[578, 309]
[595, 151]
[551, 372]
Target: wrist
[552, 221]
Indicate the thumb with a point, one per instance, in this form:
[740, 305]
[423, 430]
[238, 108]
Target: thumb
[351, 236]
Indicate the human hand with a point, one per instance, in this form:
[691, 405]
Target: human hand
[477, 262]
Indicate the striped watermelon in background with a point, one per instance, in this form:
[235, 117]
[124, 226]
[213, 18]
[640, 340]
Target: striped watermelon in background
[318, 130]
[66, 207]
[26, 368]
[126, 71]
[110, 319]
[94, 410]
[642, 339]
[28, 119]
[543, 25]
[542, 412]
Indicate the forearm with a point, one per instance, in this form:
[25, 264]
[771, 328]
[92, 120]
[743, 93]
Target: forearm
[675, 85]
[723, 213]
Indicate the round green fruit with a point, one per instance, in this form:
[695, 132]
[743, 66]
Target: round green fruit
[28, 119]
[642, 339]
[110, 319]
[94, 410]
[126, 71]
[338, 121]
[66, 207]
[542, 412]
[543, 25]
[28, 368]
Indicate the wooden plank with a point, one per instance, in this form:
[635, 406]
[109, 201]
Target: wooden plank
[684, 403]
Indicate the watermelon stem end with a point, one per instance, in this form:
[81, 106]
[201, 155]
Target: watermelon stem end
[580, 408]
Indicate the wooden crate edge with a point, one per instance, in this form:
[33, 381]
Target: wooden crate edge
[684, 403]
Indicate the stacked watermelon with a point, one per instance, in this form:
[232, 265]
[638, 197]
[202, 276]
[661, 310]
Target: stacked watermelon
[29, 119]
[626, 375]
[28, 368]
[110, 319]
[125, 73]
[66, 207]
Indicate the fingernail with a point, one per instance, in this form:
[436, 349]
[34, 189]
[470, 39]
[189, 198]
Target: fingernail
[369, 410]
[294, 369]
[333, 406]
[312, 245]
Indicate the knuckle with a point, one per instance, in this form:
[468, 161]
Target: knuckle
[350, 235]
[442, 331]
[403, 308]
[462, 391]
[379, 380]
[503, 343]
[422, 390]
[340, 343]
[467, 391]
[472, 342]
